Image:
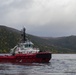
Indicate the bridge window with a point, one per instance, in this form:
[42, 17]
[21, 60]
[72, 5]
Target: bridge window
[28, 45]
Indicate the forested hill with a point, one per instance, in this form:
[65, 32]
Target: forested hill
[64, 44]
[9, 37]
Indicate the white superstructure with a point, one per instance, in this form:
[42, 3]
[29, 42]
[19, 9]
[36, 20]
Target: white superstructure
[24, 48]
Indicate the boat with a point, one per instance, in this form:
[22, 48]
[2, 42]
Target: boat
[24, 52]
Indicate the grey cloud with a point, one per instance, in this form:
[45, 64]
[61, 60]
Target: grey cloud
[40, 17]
[52, 30]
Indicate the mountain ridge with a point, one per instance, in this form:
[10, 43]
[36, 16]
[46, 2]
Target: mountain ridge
[9, 37]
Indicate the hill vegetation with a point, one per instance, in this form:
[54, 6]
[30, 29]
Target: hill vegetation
[67, 44]
[9, 37]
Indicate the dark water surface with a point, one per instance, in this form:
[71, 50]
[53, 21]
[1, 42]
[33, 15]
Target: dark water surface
[61, 64]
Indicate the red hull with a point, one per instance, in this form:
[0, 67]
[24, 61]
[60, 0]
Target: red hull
[42, 57]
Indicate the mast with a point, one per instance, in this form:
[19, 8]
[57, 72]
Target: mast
[24, 35]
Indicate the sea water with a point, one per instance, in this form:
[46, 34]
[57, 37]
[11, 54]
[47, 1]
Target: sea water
[60, 64]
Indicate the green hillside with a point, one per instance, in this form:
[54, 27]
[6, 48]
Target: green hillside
[9, 37]
[64, 44]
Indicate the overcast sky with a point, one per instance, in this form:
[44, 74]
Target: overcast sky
[52, 18]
